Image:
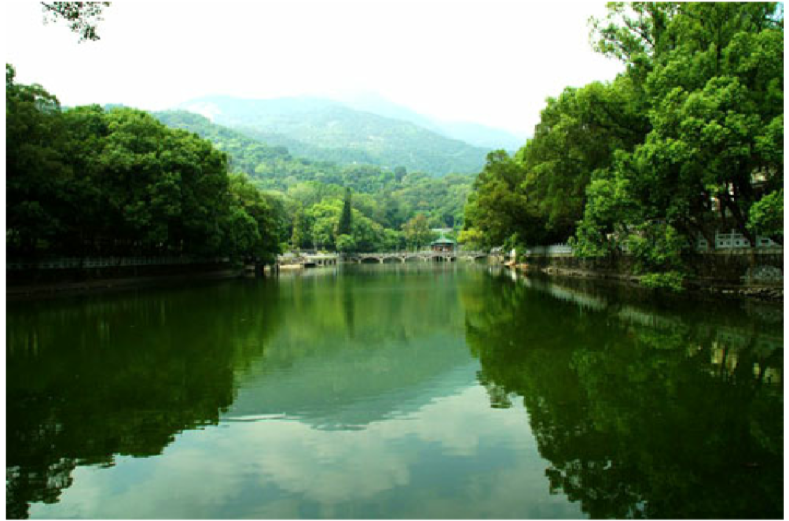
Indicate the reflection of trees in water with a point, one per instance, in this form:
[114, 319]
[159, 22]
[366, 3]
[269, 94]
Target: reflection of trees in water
[354, 349]
[376, 304]
[120, 374]
[639, 420]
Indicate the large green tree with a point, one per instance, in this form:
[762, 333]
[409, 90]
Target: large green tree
[86, 181]
[686, 142]
[499, 209]
[578, 134]
[417, 232]
[712, 74]
[36, 173]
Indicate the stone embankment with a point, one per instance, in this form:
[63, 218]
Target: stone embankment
[736, 274]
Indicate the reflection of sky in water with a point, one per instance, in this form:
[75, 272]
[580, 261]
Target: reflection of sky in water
[348, 388]
[453, 457]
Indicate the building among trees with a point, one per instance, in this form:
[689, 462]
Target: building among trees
[443, 245]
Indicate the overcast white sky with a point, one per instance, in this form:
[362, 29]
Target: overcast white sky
[491, 62]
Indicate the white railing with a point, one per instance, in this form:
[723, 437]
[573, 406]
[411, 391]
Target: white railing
[734, 240]
[723, 241]
[553, 249]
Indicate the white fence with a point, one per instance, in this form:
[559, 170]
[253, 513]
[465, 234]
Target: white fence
[734, 240]
[723, 241]
[553, 249]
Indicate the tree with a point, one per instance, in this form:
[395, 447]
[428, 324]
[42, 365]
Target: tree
[301, 232]
[607, 215]
[417, 232]
[81, 17]
[635, 33]
[399, 173]
[766, 217]
[578, 134]
[86, 181]
[36, 168]
[325, 216]
[499, 209]
[245, 196]
[368, 235]
[346, 244]
[712, 79]
[346, 219]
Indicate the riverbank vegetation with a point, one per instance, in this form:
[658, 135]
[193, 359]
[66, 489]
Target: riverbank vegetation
[686, 142]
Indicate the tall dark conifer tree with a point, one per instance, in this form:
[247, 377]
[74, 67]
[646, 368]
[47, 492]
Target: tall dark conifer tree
[344, 228]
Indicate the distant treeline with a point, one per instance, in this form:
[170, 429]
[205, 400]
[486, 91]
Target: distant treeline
[687, 141]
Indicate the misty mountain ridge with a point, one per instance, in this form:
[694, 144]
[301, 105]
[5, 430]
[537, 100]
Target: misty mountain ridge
[472, 133]
[326, 130]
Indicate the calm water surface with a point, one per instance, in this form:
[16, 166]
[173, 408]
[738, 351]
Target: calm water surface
[393, 391]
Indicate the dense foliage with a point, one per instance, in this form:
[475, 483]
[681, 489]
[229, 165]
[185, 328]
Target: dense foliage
[688, 141]
[86, 181]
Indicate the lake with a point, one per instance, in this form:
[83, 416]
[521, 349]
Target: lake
[394, 391]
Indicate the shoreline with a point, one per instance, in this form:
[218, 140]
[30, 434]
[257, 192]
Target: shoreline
[112, 284]
[693, 286]
[770, 293]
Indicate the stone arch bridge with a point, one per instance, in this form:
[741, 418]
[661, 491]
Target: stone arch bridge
[307, 259]
[410, 256]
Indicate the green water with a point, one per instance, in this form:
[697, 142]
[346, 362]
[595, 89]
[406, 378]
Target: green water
[393, 392]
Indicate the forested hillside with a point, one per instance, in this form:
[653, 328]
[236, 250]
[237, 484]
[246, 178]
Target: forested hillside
[688, 141]
[325, 130]
[312, 192]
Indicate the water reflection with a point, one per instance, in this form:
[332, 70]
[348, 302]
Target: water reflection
[359, 348]
[642, 411]
[91, 378]
[393, 391]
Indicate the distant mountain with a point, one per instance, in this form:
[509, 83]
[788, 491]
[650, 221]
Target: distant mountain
[391, 197]
[272, 166]
[472, 133]
[482, 135]
[370, 102]
[246, 153]
[325, 130]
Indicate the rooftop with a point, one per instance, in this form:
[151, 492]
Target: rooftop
[442, 240]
